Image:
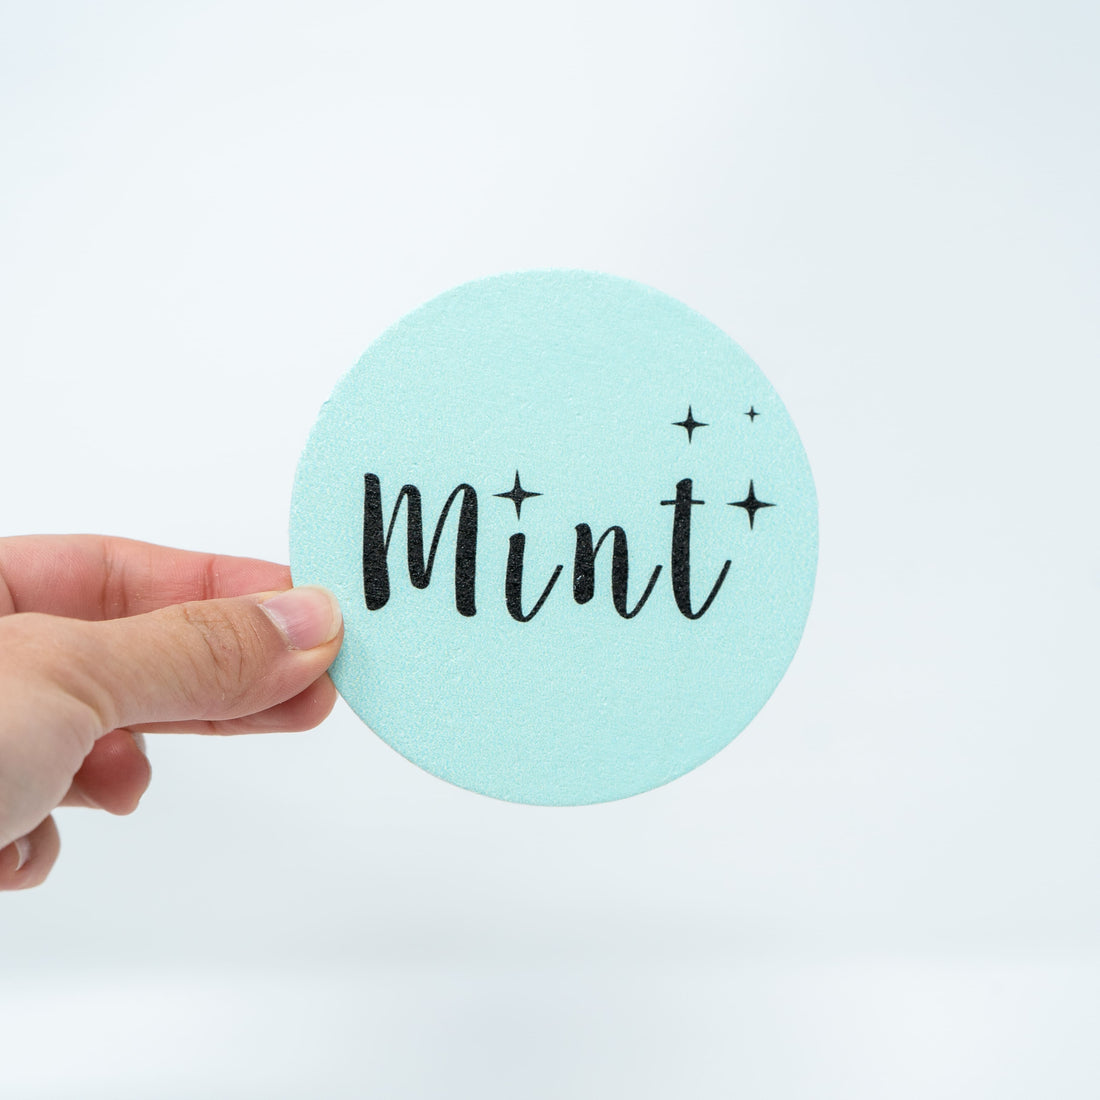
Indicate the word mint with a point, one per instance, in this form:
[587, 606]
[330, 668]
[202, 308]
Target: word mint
[377, 536]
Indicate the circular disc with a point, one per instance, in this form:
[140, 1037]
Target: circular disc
[572, 530]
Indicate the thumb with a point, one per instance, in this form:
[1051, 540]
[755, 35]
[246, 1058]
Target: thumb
[65, 682]
[214, 659]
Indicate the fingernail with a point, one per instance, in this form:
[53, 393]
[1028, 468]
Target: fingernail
[307, 617]
[22, 851]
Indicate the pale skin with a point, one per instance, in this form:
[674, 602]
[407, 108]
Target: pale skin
[103, 640]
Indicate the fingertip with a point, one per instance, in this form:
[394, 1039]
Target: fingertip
[318, 700]
[26, 862]
[307, 617]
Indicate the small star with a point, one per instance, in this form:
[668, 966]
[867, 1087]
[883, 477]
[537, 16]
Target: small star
[751, 504]
[517, 494]
[752, 414]
[690, 423]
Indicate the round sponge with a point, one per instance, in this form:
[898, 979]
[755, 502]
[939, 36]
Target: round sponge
[573, 532]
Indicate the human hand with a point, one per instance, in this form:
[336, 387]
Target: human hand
[103, 638]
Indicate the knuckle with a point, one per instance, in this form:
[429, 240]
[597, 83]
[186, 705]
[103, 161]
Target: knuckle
[228, 647]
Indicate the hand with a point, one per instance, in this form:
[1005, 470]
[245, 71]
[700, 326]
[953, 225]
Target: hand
[103, 638]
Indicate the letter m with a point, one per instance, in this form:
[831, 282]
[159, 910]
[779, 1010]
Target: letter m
[376, 543]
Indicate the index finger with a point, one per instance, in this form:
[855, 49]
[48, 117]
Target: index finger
[96, 577]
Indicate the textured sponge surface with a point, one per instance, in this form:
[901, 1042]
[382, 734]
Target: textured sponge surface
[624, 528]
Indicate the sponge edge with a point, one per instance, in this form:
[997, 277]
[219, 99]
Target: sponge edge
[573, 532]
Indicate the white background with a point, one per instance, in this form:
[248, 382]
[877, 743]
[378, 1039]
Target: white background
[888, 885]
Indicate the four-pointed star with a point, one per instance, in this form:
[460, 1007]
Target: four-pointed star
[689, 423]
[751, 504]
[517, 495]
